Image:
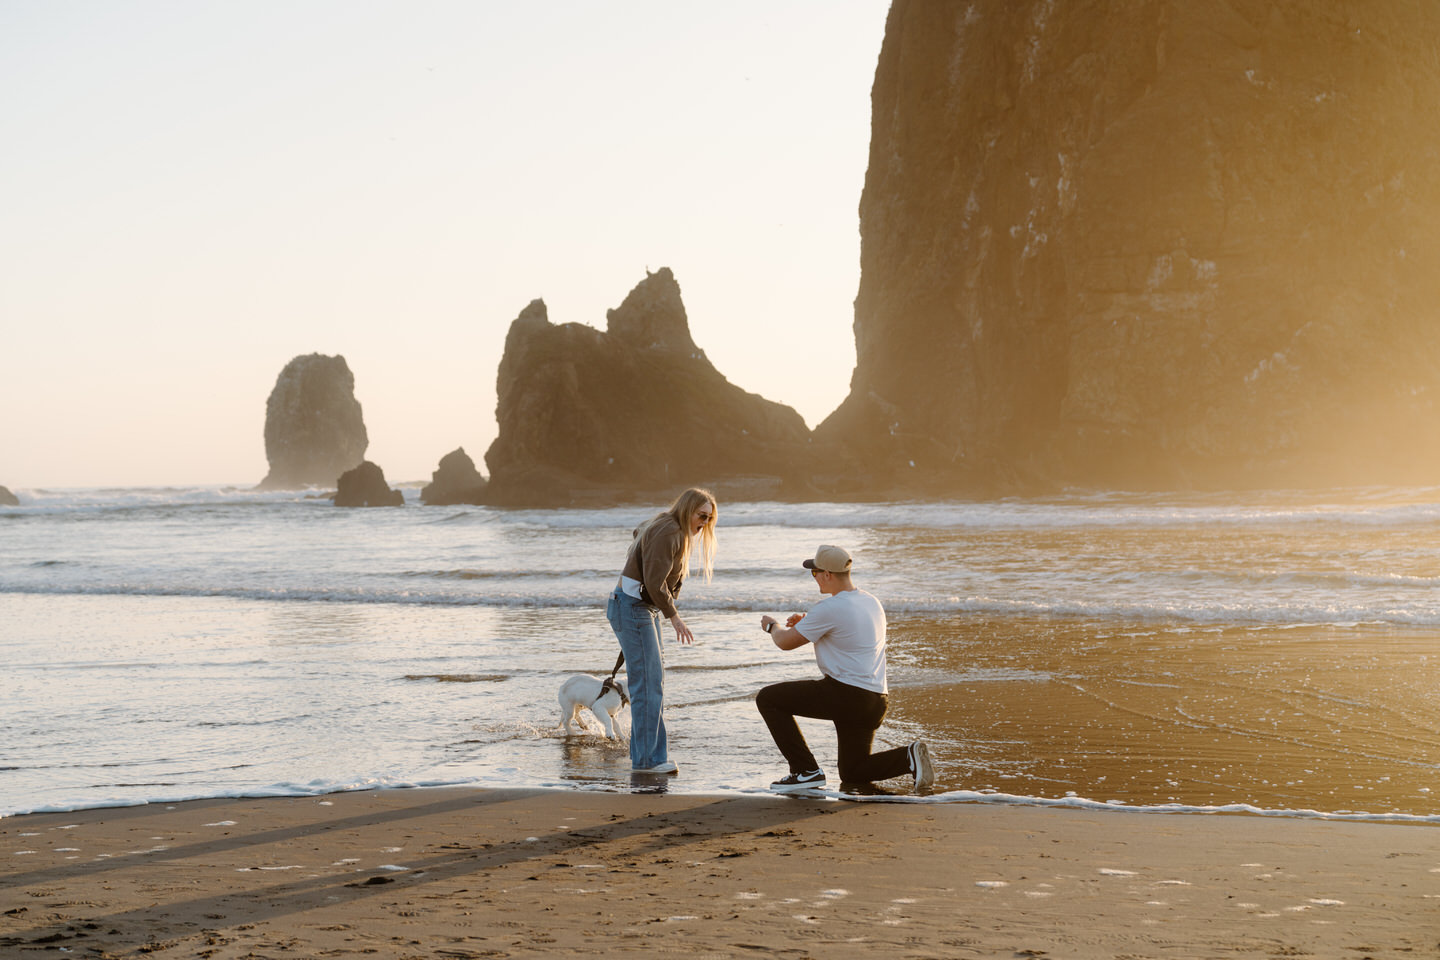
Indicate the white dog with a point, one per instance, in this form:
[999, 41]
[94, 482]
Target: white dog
[603, 698]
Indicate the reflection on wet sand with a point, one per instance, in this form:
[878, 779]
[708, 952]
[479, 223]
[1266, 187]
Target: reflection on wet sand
[1329, 718]
[591, 758]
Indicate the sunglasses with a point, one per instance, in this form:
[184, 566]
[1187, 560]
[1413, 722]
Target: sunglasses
[704, 517]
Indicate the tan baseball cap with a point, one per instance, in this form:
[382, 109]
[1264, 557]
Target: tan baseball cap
[831, 559]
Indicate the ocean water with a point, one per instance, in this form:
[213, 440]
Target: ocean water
[1275, 653]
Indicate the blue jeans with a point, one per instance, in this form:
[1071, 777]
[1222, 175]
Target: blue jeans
[637, 627]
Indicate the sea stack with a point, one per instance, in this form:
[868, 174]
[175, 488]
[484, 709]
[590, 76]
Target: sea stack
[1149, 245]
[8, 499]
[365, 486]
[637, 409]
[314, 430]
[455, 481]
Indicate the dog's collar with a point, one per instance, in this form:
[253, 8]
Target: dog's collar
[609, 684]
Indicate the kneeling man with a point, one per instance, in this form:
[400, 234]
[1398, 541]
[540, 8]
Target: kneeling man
[847, 629]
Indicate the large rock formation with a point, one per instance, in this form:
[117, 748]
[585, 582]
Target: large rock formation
[314, 430]
[635, 409]
[455, 481]
[1149, 244]
[365, 486]
[8, 499]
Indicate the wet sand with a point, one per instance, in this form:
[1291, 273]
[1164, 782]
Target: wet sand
[462, 873]
[1334, 719]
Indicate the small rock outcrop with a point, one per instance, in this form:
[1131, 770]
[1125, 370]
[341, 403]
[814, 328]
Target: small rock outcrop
[8, 499]
[314, 430]
[365, 486]
[586, 414]
[1149, 244]
[455, 481]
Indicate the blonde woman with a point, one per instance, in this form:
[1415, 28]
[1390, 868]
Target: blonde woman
[655, 567]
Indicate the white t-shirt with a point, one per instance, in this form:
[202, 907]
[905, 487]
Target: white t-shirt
[848, 633]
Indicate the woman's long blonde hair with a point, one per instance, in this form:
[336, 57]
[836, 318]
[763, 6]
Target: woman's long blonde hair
[683, 510]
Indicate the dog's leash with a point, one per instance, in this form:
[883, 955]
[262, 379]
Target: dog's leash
[609, 682]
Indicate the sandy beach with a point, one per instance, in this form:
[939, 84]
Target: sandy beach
[521, 873]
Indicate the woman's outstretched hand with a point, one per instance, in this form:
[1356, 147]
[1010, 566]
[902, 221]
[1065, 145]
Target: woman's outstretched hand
[682, 632]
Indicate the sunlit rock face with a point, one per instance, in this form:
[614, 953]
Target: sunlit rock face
[1149, 244]
[314, 430]
[586, 414]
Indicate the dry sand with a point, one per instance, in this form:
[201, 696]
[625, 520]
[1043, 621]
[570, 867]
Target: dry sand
[524, 873]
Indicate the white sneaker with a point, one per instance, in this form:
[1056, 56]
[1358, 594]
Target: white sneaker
[795, 782]
[921, 766]
[667, 766]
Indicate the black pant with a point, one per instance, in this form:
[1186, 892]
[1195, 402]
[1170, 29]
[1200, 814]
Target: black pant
[856, 714]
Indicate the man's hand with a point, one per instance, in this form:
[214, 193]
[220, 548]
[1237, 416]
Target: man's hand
[786, 637]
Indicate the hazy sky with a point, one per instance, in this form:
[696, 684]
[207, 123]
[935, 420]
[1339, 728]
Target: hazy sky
[194, 192]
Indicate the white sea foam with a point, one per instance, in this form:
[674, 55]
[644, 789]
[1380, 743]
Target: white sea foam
[1418, 609]
[1362, 507]
[1109, 806]
[1364, 557]
[623, 785]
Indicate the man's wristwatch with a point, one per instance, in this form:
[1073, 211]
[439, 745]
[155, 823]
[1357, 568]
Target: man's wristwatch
[770, 626]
